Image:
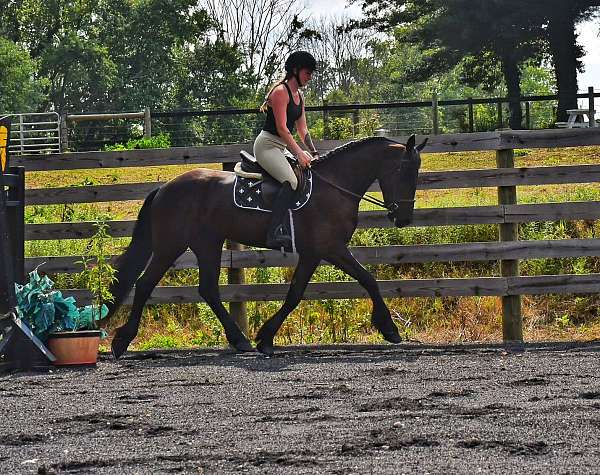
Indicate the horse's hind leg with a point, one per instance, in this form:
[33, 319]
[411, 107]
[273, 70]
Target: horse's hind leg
[305, 269]
[209, 266]
[381, 318]
[144, 286]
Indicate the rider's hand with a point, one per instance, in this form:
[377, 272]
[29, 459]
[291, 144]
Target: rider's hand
[304, 159]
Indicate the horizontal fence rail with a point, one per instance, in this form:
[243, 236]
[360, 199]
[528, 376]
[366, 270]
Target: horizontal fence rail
[480, 141]
[507, 214]
[395, 255]
[369, 219]
[427, 181]
[477, 287]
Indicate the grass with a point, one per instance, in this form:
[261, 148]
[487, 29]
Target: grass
[426, 319]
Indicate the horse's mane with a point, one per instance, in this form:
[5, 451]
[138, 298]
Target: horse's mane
[343, 148]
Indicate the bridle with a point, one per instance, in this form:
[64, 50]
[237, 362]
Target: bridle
[392, 207]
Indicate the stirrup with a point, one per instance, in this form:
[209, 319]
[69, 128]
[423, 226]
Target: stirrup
[279, 238]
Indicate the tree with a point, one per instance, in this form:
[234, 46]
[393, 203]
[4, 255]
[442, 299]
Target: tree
[339, 51]
[560, 19]
[265, 31]
[447, 31]
[101, 55]
[19, 91]
[149, 41]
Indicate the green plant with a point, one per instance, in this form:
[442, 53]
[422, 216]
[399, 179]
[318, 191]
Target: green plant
[45, 310]
[158, 141]
[563, 321]
[98, 274]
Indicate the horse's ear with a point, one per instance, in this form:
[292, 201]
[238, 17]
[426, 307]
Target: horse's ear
[411, 142]
[421, 146]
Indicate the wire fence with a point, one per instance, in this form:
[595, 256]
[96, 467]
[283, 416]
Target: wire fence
[332, 121]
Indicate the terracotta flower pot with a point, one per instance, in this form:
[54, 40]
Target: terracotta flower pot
[75, 348]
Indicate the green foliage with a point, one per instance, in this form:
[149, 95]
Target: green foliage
[19, 90]
[158, 141]
[563, 321]
[159, 341]
[98, 274]
[45, 310]
[211, 332]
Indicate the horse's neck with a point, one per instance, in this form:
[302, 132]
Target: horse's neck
[355, 171]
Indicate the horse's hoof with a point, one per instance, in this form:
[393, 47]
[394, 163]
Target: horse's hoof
[265, 347]
[388, 330]
[118, 347]
[393, 338]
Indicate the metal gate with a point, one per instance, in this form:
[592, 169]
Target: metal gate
[34, 133]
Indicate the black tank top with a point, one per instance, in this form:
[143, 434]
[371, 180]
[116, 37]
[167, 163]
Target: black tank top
[293, 114]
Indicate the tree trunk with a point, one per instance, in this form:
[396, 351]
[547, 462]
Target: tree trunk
[512, 77]
[565, 53]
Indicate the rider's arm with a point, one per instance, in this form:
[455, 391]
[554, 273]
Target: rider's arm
[304, 134]
[279, 101]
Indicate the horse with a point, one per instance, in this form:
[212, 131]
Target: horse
[195, 210]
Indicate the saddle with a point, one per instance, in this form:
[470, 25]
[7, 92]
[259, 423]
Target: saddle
[255, 189]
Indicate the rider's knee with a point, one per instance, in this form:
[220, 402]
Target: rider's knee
[293, 182]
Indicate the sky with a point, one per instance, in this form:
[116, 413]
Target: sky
[588, 37]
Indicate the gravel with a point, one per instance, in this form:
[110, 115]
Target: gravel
[330, 409]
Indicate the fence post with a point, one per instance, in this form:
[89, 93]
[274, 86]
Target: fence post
[237, 310]
[63, 132]
[592, 114]
[528, 115]
[7, 294]
[435, 115]
[355, 122]
[500, 119]
[147, 123]
[16, 223]
[512, 321]
[21, 135]
[326, 133]
[471, 115]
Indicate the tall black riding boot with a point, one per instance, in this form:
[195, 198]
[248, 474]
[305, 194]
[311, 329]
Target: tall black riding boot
[277, 235]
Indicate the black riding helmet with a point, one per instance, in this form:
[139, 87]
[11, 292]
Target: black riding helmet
[300, 60]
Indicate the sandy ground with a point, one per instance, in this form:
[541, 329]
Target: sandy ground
[343, 410]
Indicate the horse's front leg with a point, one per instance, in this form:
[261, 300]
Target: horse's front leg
[304, 270]
[381, 318]
[159, 264]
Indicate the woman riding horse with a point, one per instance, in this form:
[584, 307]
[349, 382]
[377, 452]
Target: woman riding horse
[196, 211]
[284, 106]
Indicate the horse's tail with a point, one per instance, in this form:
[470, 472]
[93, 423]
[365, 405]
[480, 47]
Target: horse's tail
[132, 262]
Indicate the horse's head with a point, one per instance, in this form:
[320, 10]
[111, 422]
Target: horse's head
[398, 180]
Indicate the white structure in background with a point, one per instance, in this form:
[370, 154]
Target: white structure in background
[34, 133]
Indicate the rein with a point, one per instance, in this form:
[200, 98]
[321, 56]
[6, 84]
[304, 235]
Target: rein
[391, 208]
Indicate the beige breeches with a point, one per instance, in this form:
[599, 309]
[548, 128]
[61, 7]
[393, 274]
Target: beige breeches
[268, 150]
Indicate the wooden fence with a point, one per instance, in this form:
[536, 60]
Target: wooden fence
[506, 214]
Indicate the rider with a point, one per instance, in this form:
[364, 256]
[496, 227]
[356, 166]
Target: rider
[284, 106]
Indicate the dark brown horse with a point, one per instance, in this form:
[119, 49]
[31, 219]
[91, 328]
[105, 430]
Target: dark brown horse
[195, 210]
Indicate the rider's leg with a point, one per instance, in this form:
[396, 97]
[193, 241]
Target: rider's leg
[277, 236]
[269, 153]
